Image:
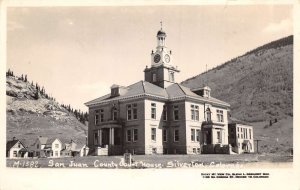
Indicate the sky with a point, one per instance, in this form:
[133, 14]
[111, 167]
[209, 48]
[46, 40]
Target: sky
[77, 53]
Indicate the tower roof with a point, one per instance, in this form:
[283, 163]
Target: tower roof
[161, 32]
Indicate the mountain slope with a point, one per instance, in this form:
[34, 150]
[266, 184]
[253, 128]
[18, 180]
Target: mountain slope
[29, 117]
[258, 85]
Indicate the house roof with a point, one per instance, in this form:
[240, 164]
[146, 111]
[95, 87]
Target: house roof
[232, 120]
[51, 140]
[10, 144]
[146, 88]
[43, 140]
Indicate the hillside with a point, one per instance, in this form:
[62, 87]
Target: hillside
[29, 117]
[258, 85]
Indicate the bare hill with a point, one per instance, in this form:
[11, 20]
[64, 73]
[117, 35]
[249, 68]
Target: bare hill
[258, 85]
[29, 117]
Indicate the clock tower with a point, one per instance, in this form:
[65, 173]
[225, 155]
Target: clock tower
[162, 72]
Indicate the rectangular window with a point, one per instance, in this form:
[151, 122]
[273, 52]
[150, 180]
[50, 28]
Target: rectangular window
[56, 145]
[193, 135]
[250, 134]
[194, 150]
[153, 111]
[154, 150]
[153, 134]
[220, 116]
[97, 116]
[246, 134]
[15, 154]
[165, 135]
[101, 115]
[165, 113]
[56, 153]
[131, 111]
[154, 77]
[219, 136]
[134, 111]
[198, 135]
[195, 112]
[37, 146]
[135, 135]
[176, 135]
[95, 138]
[128, 135]
[176, 113]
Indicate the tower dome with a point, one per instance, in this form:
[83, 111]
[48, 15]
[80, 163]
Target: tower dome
[161, 33]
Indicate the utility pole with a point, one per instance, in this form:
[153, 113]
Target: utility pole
[257, 146]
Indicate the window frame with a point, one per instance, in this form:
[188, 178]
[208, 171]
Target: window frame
[165, 135]
[128, 135]
[219, 138]
[176, 130]
[154, 78]
[165, 113]
[131, 110]
[220, 115]
[135, 135]
[175, 112]
[193, 135]
[114, 114]
[194, 112]
[198, 135]
[153, 110]
[153, 129]
[97, 117]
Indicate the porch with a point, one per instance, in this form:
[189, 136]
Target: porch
[108, 140]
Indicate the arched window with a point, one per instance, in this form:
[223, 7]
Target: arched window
[114, 114]
[208, 114]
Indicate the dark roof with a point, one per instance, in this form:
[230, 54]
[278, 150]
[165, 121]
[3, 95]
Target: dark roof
[161, 32]
[23, 150]
[10, 144]
[146, 88]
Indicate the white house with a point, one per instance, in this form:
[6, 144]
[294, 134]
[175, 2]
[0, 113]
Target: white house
[241, 137]
[16, 149]
[45, 147]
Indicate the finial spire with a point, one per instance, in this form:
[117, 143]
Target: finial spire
[161, 25]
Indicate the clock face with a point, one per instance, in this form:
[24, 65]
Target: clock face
[156, 58]
[167, 58]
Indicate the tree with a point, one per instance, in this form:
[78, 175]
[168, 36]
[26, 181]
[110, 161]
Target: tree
[36, 95]
[25, 79]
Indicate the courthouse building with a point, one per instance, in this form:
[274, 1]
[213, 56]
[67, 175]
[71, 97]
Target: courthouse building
[157, 115]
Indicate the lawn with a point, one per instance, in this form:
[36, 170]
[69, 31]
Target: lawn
[149, 161]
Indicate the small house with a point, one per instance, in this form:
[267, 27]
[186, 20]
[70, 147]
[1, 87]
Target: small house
[241, 137]
[45, 147]
[16, 149]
